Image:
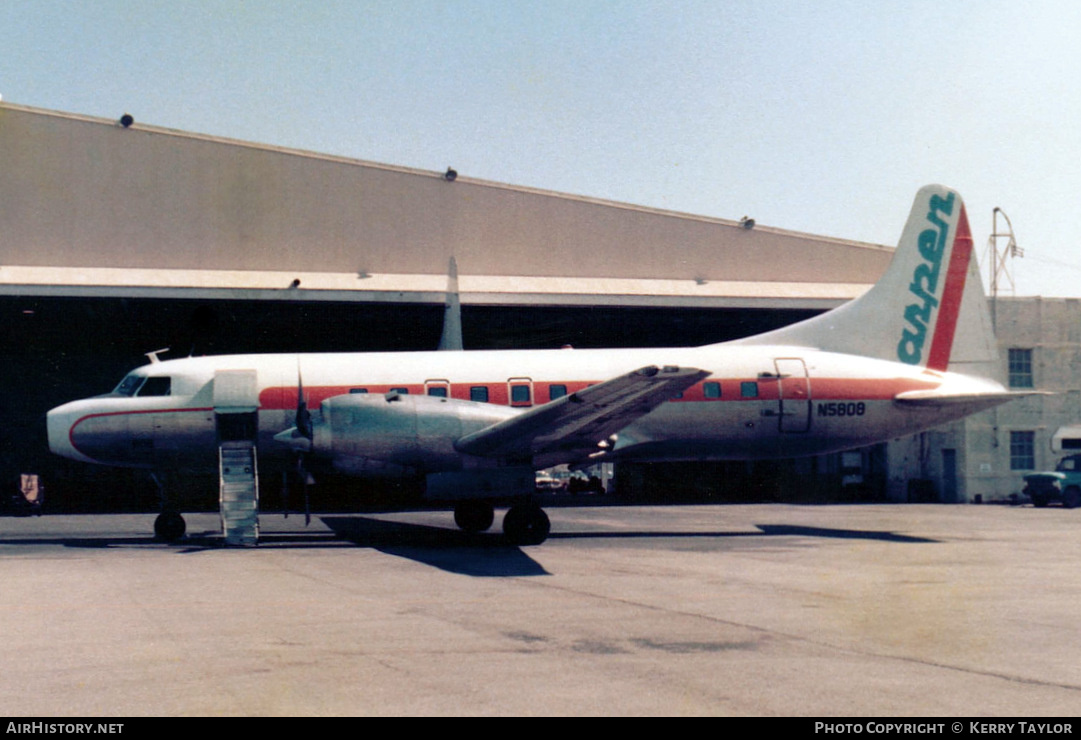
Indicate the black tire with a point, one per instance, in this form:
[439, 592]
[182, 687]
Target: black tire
[169, 526]
[474, 516]
[526, 524]
[1071, 497]
[1039, 502]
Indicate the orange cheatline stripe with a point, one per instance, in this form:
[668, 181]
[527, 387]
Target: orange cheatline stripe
[822, 389]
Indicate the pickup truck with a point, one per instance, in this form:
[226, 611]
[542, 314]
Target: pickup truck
[1064, 484]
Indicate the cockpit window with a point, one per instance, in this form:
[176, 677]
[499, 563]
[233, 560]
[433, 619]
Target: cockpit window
[129, 385]
[158, 386]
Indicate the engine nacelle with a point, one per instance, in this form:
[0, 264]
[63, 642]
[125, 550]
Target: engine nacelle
[397, 434]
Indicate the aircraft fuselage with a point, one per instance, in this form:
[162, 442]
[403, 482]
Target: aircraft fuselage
[757, 402]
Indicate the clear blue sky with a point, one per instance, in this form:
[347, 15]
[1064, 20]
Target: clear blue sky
[821, 117]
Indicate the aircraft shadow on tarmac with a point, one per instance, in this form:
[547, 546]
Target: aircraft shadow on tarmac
[488, 554]
[484, 554]
[465, 553]
[842, 534]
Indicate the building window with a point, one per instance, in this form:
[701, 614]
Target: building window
[1022, 450]
[1020, 368]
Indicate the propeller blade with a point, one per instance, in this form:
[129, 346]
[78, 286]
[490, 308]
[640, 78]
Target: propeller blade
[304, 417]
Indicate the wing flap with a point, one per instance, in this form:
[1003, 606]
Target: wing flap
[570, 428]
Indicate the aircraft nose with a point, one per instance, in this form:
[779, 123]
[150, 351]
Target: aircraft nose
[59, 422]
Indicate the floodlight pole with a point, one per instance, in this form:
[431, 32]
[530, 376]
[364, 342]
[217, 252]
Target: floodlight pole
[999, 261]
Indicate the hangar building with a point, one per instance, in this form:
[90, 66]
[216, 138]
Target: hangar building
[985, 457]
[120, 238]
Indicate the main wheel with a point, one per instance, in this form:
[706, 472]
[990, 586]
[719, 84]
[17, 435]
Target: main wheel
[169, 526]
[526, 524]
[474, 516]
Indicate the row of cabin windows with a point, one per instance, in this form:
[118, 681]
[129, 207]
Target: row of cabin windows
[520, 394]
[712, 389]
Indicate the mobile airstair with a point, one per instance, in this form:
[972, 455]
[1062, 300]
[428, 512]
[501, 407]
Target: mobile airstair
[239, 496]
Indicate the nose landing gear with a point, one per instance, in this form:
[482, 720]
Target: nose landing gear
[169, 526]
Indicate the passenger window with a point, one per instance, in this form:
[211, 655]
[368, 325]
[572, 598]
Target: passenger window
[712, 389]
[160, 386]
[438, 391]
[748, 389]
[478, 393]
[358, 390]
[519, 394]
[556, 390]
[403, 391]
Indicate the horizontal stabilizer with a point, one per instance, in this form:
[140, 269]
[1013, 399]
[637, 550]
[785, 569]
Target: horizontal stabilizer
[570, 428]
[935, 398]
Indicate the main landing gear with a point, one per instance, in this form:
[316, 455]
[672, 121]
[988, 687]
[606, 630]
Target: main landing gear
[523, 524]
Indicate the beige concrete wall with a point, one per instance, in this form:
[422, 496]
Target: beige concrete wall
[1051, 328]
[81, 192]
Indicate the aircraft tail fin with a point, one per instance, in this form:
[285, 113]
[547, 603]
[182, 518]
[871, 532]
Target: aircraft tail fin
[928, 309]
[451, 338]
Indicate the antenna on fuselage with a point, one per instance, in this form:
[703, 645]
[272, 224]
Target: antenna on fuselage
[153, 356]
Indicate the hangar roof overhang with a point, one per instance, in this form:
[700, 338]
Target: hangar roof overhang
[400, 288]
[93, 208]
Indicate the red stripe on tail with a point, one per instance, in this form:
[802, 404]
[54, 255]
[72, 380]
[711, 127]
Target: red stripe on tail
[950, 308]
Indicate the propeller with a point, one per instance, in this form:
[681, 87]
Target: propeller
[302, 433]
[300, 439]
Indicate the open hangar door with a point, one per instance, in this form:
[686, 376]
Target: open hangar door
[57, 349]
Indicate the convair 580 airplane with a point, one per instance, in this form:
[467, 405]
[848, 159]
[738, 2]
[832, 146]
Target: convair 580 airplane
[914, 352]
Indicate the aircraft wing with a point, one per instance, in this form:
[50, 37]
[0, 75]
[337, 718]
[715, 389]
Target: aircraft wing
[570, 428]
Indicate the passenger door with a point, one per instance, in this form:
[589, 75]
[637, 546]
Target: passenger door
[793, 394]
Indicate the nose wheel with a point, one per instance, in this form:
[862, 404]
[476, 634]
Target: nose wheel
[169, 526]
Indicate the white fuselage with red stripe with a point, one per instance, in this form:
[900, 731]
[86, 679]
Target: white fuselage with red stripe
[757, 402]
